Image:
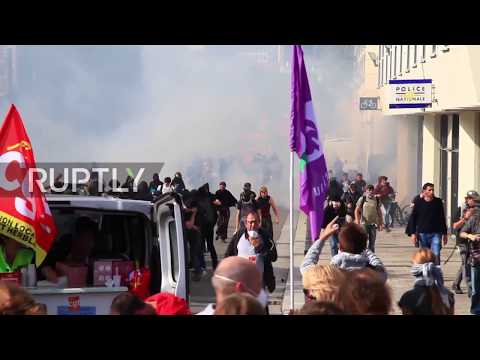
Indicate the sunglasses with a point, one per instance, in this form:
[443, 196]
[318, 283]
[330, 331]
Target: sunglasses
[309, 296]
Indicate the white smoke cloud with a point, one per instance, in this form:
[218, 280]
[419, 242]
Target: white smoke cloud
[226, 105]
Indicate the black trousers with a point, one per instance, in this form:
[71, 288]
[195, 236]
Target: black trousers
[207, 234]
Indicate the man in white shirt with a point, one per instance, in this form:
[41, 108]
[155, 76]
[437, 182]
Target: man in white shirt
[236, 275]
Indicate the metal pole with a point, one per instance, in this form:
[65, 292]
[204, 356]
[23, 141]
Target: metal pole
[292, 305]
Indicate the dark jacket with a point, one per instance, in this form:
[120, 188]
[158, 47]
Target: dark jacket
[427, 217]
[268, 250]
[226, 198]
[351, 198]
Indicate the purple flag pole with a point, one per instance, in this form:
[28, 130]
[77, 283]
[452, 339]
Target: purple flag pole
[305, 142]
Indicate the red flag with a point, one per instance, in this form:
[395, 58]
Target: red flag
[24, 213]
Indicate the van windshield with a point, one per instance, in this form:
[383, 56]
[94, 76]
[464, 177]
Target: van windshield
[120, 236]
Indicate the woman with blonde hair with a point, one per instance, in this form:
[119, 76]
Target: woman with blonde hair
[264, 202]
[323, 282]
[428, 296]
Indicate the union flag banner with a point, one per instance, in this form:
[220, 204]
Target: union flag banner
[24, 212]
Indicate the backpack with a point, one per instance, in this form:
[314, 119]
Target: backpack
[370, 210]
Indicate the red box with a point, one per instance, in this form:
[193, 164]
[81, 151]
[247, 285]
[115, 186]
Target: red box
[76, 275]
[104, 269]
[15, 277]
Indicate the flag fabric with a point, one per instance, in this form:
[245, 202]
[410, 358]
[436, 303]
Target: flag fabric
[305, 141]
[24, 212]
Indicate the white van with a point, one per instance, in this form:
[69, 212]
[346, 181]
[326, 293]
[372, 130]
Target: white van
[148, 233]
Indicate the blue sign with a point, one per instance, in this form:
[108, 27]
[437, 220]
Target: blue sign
[410, 93]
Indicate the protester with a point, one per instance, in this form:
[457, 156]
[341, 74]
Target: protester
[320, 308]
[360, 183]
[177, 183]
[353, 252]
[246, 204]
[384, 192]
[345, 182]
[428, 221]
[143, 192]
[322, 283]
[167, 185]
[368, 213]
[227, 200]
[168, 304]
[350, 199]
[257, 246]
[471, 231]
[13, 255]
[129, 304]
[207, 210]
[472, 200]
[240, 304]
[335, 190]
[428, 296]
[264, 202]
[335, 208]
[364, 292]
[194, 239]
[155, 185]
[236, 275]
[15, 300]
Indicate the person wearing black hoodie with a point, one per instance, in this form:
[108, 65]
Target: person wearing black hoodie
[335, 207]
[227, 200]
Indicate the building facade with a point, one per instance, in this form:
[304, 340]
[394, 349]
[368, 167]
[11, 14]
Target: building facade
[438, 144]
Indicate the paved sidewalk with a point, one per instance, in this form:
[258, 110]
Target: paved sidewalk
[395, 250]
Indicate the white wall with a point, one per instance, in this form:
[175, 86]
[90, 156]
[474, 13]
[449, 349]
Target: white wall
[467, 172]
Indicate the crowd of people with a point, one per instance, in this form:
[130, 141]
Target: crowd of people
[355, 280]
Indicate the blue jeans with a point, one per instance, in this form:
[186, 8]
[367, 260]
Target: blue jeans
[388, 220]
[475, 299]
[334, 244]
[432, 241]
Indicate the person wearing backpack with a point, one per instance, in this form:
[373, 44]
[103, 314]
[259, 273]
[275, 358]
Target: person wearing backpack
[369, 214]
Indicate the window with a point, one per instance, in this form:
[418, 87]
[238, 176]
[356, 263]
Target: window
[395, 62]
[415, 56]
[407, 70]
[434, 51]
[380, 65]
[401, 61]
[172, 234]
[390, 58]
[424, 53]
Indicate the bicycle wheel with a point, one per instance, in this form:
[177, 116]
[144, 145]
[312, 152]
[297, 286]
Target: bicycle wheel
[399, 216]
[406, 212]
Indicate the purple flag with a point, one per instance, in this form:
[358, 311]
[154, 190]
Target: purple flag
[304, 140]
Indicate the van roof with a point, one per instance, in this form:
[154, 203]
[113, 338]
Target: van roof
[100, 203]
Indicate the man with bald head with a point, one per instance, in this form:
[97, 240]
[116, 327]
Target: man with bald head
[236, 275]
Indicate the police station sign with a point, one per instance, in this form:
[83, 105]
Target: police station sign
[410, 93]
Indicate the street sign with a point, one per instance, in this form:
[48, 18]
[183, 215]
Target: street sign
[410, 93]
[369, 103]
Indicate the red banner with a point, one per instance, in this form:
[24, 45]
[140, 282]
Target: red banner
[24, 213]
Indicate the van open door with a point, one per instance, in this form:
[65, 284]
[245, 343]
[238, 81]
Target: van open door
[169, 221]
